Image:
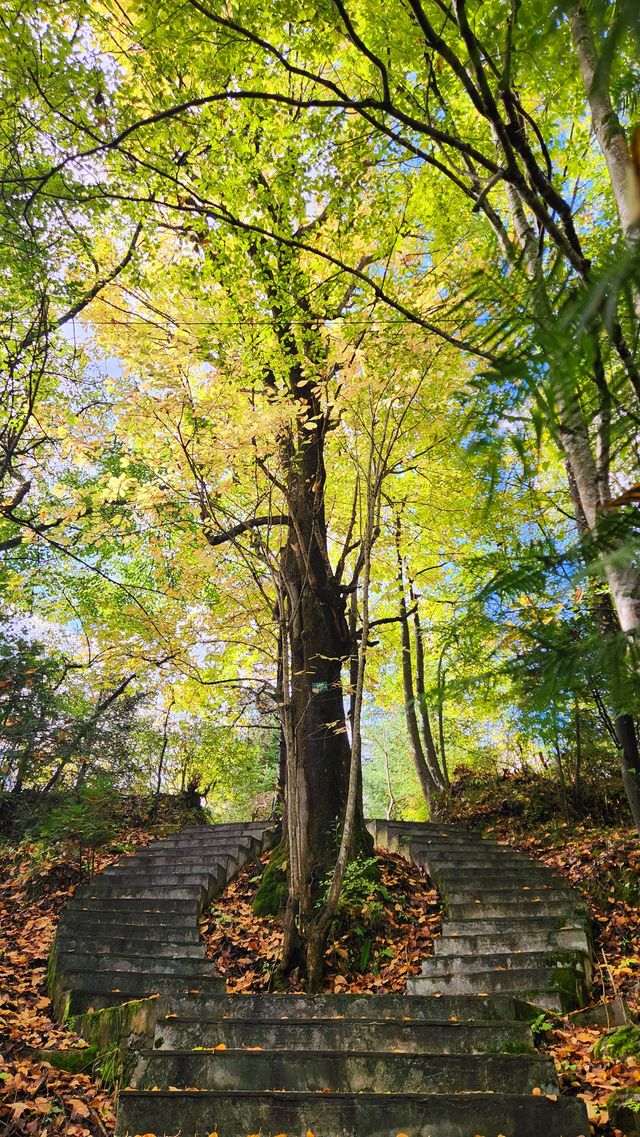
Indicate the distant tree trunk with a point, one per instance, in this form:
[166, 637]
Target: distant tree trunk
[427, 782]
[441, 678]
[163, 751]
[577, 767]
[391, 801]
[438, 771]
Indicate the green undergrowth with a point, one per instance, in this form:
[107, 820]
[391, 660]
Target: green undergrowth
[624, 1042]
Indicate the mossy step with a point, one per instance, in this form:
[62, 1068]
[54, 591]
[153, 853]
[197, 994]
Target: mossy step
[562, 988]
[121, 986]
[310, 1035]
[133, 905]
[115, 945]
[570, 939]
[158, 878]
[188, 859]
[505, 890]
[195, 1114]
[356, 1073]
[399, 1007]
[175, 925]
[535, 922]
[492, 961]
[122, 892]
[522, 906]
[178, 964]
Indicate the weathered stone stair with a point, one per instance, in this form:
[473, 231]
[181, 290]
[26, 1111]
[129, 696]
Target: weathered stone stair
[346, 1066]
[133, 930]
[424, 1064]
[514, 926]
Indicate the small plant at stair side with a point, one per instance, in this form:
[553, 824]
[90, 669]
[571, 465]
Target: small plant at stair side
[541, 1026]
[84, 825]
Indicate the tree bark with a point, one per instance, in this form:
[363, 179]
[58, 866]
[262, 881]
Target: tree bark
[438, 772]
[607, 127]
[319, 643]
[425, 777]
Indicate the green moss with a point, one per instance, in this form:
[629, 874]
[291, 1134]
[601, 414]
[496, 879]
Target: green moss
[517, 1046]
[74, 1061]
[621, 1043]
[271, 896]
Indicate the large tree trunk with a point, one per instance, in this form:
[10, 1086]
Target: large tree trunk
[320, 753]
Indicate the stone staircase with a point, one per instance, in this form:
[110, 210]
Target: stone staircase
[431, 1063]
[513, 927]
[133, 930]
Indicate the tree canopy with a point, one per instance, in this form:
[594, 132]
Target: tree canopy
[321, 390]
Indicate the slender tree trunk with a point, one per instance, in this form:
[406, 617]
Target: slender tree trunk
[606, 125]
[577, 767]
[425, 777]
[438, 773]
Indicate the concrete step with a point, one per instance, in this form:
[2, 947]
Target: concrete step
[524, 905]
[136, 984]
[347, 1115]
[202, 842]
[134, 905]
[354, 1073]
[125, 892]
[526, 984]
[483, 872]
[572, 939]
[536, 922]
[179, 965]
[169, 881]
[505, 891]
[344, 1034]
[115, 945]
[376, 1007]
[496, 961]
[186, 860]
[242, 827]
[171, 924]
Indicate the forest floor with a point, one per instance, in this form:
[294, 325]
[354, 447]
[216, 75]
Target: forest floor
[376, 955]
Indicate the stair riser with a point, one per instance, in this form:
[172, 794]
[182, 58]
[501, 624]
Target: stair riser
[461, 946]
[504, 909]
[166, 881]
[181, 967]
[172, 926]
[415, 1038]
[196, 1115]
[255, 1007]
[112, 907]
[499, 926]
[509, 894]
[126, 983]
[116, 946]
[122, 893]
[179, 862]
[523, 961]
[343, 1073]
[523, 984]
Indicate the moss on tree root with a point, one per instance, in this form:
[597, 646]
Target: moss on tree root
[271, 895]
